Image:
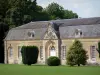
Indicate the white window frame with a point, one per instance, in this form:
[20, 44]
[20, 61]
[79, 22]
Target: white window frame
[10, 52]
[41, 52]
[63, 52]
[93, 53]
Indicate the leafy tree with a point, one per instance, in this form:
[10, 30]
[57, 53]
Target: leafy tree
[42, 16]
[98, 48]
[69, 14]
[21, 12]
[3, 26]
[55, 10]
[24, 11]
[3, 31]
[14, 17]
[29, 54]
[3, 8]
[58, 12]
[76, 54]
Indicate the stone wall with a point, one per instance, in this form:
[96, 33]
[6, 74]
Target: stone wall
[65, 42]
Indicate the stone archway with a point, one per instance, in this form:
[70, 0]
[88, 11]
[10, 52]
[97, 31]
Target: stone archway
[50, 49]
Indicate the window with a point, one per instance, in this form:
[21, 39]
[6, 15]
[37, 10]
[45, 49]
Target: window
[78, 33]
[10, 52]
[93, 52]
[41, 52]
[19, 51]
[63, 52]
[52, 51]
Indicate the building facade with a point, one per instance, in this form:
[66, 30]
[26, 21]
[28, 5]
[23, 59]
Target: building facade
[54, 38]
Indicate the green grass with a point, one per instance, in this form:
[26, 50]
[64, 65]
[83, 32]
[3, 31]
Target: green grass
[48, 70]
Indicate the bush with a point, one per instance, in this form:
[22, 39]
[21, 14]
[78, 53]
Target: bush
[29, 54]
[98, 48]
[76, 55]
[53, 61]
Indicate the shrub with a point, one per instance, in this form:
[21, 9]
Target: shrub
[53, 61]
[98, 48]
[76, 54]
[29, 54]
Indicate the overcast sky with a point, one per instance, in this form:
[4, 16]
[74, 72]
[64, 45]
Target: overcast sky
[84, 8]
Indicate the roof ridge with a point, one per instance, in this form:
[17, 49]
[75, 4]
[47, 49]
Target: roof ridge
[66, 22]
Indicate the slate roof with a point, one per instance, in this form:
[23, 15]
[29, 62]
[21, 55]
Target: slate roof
[81, 21]
[90, 28]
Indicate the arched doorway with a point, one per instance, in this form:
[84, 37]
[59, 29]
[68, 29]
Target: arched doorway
[50, 49]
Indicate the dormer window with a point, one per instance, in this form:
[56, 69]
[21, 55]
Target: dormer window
[78, 33]
[31, 34]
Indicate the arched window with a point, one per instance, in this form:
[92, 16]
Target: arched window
[52, 51]
[41, 52]
[10, 51]
[19, 51]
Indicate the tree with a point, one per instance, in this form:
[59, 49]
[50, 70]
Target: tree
[14, 17]
[21, 12]
[24, 11]
[69, 14]
[3, 31]
[3, 7]
[55, 10]
[42, 16]
[29, 54]
[98, 48]
[76, 54]
[58, 12]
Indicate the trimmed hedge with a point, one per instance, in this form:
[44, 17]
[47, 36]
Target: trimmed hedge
[29, 54]
[53, 61]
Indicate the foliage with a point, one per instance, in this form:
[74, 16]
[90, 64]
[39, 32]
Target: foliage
[3, 31]
[98, 48]
[21, 12]
[69, 14]
[53, 61]
[55, 9]
[3, 7]
[58, 12]
[29, 54]
[76, 54]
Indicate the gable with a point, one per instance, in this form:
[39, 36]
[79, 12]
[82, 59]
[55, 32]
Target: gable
[50, 33]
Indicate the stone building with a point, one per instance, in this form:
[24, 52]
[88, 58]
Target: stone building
[54, 38]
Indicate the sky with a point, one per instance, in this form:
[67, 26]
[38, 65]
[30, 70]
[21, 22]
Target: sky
[84, 8]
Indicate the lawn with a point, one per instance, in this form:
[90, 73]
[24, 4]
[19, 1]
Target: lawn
[47, 70]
